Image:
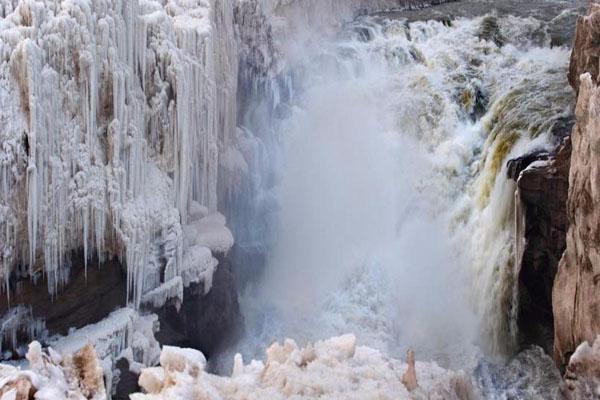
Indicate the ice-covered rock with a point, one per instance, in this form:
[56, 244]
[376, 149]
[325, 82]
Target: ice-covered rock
[179, 359]
[209, 232]
[198, 266]
[122, 330]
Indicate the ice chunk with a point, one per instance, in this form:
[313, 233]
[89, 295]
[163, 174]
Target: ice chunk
[180, 359]
[173, 289]
[197, 211]
[198, 265]
[582, 378]
[152, 379]
[78, 377]
[340, 348]
[337, 370]
[209, 232]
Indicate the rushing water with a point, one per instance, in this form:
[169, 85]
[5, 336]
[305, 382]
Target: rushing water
[396, 220]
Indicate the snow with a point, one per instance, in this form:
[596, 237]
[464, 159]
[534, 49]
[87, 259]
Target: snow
[197, 211]
[115, 114]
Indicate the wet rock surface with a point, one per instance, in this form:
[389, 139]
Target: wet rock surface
[204, 322]
[128, 381]
[542, 179]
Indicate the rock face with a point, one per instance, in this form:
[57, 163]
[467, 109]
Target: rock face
[202, 321]
[88, 297]
[576, 292]
[542, 180]
[586, 50]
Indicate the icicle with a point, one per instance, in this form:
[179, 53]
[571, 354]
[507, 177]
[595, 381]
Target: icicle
[32, 221]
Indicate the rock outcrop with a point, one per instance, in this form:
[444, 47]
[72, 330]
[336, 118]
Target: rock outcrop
[542, 181]
[586, 49]
[203, 321]
[576, 292]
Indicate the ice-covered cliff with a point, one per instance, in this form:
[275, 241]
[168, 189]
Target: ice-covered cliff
[114, 114]
[114, 117]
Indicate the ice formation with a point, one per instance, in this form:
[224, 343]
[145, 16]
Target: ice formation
[125, 333]
[19, 321]
[114, 115]
[334, 369]
[52, 376]
[121, 330]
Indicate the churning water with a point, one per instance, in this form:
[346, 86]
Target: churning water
[396, 221]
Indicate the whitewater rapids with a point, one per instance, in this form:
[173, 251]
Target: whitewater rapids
[396, 219]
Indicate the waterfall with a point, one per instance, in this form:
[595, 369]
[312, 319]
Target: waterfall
[359, 159]
[396, 219]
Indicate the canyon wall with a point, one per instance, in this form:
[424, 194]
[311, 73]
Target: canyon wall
[576, 292]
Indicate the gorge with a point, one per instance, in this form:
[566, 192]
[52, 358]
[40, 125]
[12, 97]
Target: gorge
[185, 180]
